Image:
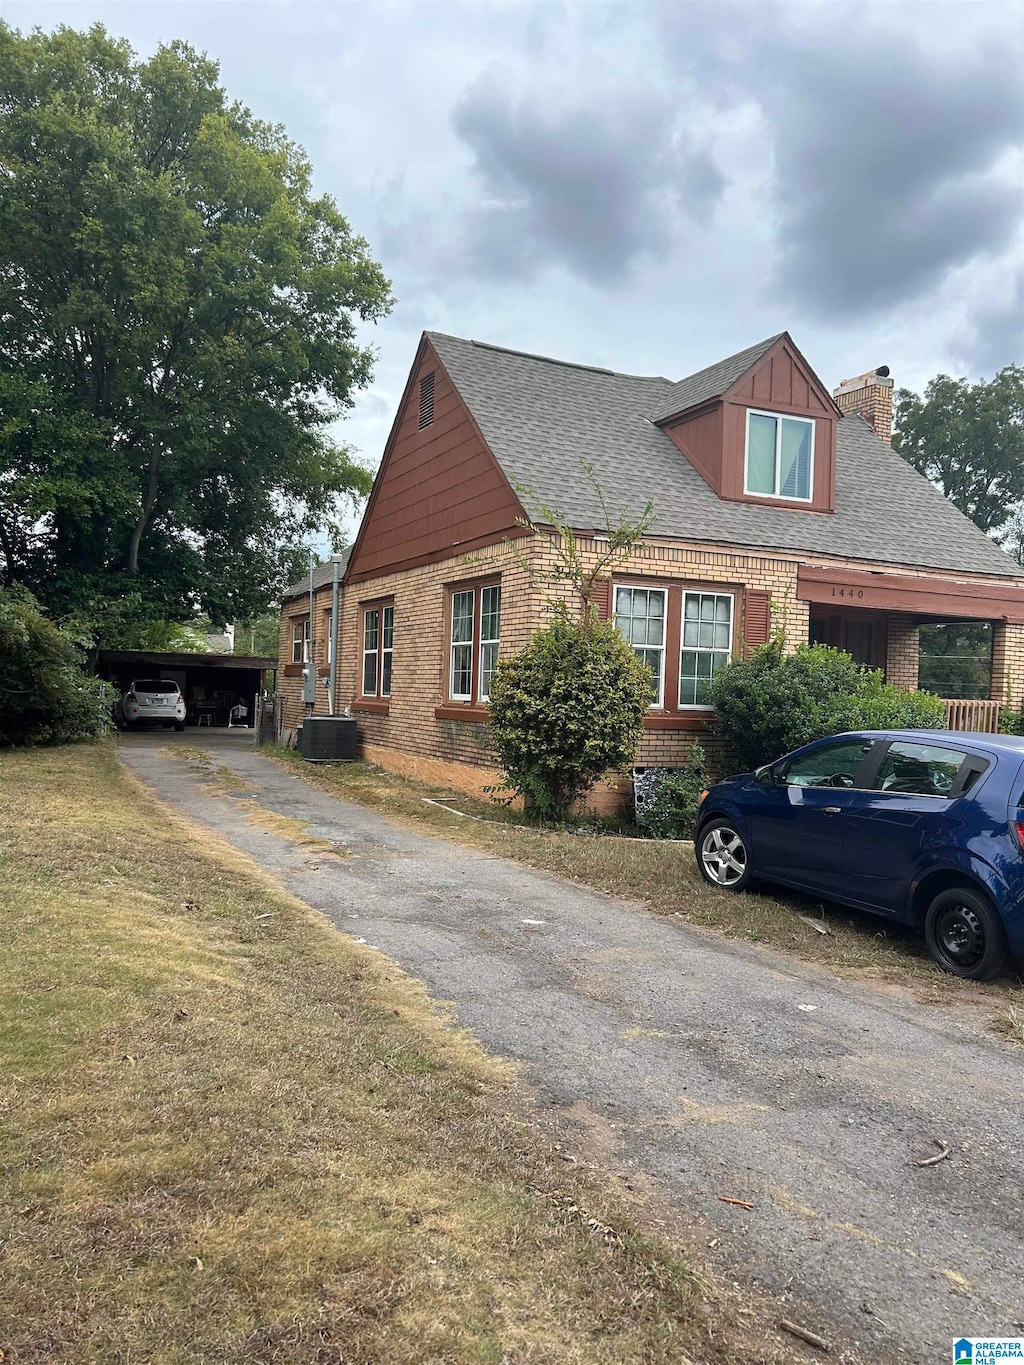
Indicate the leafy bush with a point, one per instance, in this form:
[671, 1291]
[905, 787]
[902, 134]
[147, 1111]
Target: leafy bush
[566, 709]
[880, 706]
[773, 702]
[46, 697]
[673, 812]
[1011, 720]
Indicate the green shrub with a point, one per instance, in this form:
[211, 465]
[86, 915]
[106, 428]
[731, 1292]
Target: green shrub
[46, 697]
[565, 710]
[773, 702]
[880, 706]
[1011, 720]
[673, 812]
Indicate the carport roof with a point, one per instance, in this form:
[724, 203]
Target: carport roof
[159, 659]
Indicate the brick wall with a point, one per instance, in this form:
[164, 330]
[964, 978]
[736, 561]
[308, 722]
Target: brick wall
[421, 653]
[1008, 663]
[289, 681]
[410, 736]
[903, 653]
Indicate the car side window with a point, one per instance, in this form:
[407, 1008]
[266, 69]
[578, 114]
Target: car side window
[919, 769]
[833, 765]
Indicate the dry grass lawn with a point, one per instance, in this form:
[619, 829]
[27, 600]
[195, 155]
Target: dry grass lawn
[228, 1134]
[664, 877]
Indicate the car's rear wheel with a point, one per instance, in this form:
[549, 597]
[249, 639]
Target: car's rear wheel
[964, 934]
[722, 856]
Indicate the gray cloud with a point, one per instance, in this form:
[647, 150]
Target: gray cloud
[592, 186]
[996, 335]
[646, 185]
[886, 159]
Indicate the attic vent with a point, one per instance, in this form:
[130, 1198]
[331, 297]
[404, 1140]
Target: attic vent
[426, 400]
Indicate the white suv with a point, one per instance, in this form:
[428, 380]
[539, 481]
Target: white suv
[158, 700]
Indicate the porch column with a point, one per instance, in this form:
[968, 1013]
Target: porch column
[1007, 663]
[903, 654]
[796, 619]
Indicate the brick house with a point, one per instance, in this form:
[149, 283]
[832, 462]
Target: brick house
[777, 504]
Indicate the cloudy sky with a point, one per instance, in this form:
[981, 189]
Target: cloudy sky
[649, 187]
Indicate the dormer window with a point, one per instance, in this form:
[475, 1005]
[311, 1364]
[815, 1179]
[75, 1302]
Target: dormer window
[779, 457]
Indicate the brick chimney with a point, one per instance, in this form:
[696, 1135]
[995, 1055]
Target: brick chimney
[869, 395]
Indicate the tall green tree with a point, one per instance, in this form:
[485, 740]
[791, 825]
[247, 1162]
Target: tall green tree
[969, 440]
[178, 332]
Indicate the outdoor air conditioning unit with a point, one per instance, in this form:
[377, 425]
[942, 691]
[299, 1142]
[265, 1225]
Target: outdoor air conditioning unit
[329, 739]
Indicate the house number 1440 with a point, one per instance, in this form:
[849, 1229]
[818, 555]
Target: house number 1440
[847, 592]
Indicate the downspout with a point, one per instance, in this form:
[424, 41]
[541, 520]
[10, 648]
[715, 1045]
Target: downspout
[334, 636]
[309, 691]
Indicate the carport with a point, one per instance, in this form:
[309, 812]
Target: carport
[211, 683]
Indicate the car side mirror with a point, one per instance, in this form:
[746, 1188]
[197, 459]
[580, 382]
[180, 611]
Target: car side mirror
[768, 775]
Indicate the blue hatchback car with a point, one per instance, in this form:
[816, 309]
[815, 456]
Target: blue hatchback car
[924, 826]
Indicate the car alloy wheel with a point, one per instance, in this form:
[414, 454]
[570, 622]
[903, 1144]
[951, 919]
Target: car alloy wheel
[723, 856]
[964, 934]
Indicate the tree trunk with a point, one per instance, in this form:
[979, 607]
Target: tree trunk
[149, 502]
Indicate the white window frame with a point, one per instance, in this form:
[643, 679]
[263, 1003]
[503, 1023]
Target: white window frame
[659, 703]
[385, 614]
[495, 640]
[697, 649]
[375, 652]
[779, 418]
[475, 645]
[300, 639]
[387, 620]
[454, 644]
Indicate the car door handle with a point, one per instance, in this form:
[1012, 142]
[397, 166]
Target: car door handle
[832, 810]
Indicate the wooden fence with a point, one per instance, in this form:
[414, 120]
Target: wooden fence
[973, 715]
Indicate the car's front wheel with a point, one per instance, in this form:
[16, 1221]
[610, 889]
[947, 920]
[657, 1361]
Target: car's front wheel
[965, 935]
[722, 856]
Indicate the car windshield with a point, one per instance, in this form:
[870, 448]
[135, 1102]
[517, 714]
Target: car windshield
[155, 685]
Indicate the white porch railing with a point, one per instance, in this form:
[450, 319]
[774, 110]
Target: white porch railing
[973, 715]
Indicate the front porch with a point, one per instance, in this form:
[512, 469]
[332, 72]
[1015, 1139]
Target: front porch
[964, 642]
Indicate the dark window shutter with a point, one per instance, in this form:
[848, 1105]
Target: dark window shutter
[602, 598]
[426, 400]
[757, 621]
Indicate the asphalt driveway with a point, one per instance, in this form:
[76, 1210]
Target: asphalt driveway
[716, 1068]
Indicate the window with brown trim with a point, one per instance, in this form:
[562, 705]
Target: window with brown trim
[300, 640]
[378, 649]
[779, 457]
[474, 635]
[685, 634]
[706, 644]
[640, 620]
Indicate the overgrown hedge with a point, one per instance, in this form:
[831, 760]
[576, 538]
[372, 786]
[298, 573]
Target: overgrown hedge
[565, 710]
[774, 702]
[46, 696]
